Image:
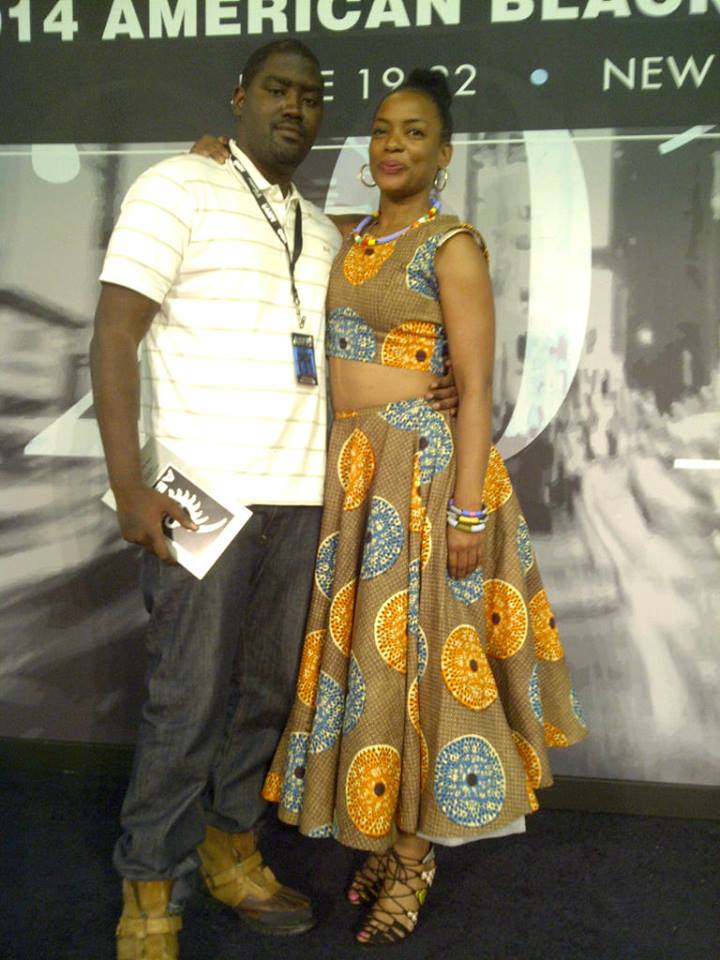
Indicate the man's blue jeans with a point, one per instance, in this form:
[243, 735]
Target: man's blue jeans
[224, 654]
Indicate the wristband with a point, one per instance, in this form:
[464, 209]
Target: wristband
[466, 525]
[480, 514]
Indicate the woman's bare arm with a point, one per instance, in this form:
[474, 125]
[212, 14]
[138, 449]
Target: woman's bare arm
[469, 317]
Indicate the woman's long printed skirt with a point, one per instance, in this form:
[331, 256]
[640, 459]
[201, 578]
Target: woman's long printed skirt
[423, 703]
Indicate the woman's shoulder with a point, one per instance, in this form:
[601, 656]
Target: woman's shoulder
[346, 222]
[449, 226]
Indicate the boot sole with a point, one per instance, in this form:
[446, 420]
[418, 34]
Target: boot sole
[277, 930]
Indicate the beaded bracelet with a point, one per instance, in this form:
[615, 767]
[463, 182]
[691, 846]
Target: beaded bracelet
[466, 526]
[463, 522]
[480, 514]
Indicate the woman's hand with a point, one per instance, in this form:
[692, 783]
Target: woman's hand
[466, 552]
[442, 393]
[215, 148]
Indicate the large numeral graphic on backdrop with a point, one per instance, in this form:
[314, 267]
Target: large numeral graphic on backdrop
[560, 273]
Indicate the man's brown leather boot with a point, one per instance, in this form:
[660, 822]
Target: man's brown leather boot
[235, 874]
[146, 930]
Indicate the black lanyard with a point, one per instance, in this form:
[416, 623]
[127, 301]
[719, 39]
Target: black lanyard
[272, 219]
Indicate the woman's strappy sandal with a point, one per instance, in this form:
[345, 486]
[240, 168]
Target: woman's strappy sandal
[368, 879]
[394, 915]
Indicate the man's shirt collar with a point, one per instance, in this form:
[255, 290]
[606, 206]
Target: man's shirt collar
[271, 190]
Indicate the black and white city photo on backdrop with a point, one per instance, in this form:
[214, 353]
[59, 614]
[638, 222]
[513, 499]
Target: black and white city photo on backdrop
[606, 403]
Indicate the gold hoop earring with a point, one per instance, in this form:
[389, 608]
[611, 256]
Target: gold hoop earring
[361, 176]
[440, 186]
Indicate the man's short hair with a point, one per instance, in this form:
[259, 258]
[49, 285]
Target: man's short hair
[256, 60]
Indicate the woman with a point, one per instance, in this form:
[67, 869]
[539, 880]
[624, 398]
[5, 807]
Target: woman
[431, 650]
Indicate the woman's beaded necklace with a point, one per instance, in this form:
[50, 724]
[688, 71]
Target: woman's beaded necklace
[367, 240]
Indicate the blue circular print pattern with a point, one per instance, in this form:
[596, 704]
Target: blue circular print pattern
[422, 652]
[534, 694]
[440, 353]
[384, 535]
[421, 276]
[355, 699]
[349, 336]
[469, 589]
[435, 445]
[325, 564]
[293, 787]
[523, 544]
[413, 623]
[576, 708]
[322, 832]
[469, 782]
[327, 722]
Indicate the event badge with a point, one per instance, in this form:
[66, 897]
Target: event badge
[304, 359]
[303, 346]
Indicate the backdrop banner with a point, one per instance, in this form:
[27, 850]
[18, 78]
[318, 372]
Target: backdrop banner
[586, 153]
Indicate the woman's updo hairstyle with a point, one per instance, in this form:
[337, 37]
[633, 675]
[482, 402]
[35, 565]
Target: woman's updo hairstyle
[434, 85]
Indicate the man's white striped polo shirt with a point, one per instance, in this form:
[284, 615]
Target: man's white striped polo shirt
[218, 382]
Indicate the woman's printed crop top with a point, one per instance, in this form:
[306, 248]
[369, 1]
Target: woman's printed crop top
[384, 300]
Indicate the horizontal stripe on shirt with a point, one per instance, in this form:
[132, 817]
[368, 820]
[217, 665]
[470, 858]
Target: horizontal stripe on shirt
[218, 354]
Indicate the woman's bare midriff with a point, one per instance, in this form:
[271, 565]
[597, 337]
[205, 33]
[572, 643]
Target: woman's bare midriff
[354, 384]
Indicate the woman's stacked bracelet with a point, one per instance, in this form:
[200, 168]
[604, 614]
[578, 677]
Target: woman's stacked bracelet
[469, 521]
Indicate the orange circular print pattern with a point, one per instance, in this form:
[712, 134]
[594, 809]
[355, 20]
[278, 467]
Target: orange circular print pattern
[426, 542]
[364, 263]
[417, 510]
[465, 669]
[414, 714]
[356, 468]
[341, 616]
[506, 619]
[272, 788]
[530, 759]
[310, 667]
[554, 737]
[391, 627]
[371, 788]
[410, 345]
[424, 761]
[413, 704]
[547, 639]
[497, 489]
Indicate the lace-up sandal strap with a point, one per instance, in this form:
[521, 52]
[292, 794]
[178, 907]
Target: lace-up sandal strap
[404, 870]
[407, 868]
[368, 879]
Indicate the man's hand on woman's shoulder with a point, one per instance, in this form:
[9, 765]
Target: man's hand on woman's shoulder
[215, 148]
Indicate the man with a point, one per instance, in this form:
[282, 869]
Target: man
[221, 273]
[197, 274]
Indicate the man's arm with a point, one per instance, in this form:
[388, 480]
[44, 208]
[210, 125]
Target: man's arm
[122, 319]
